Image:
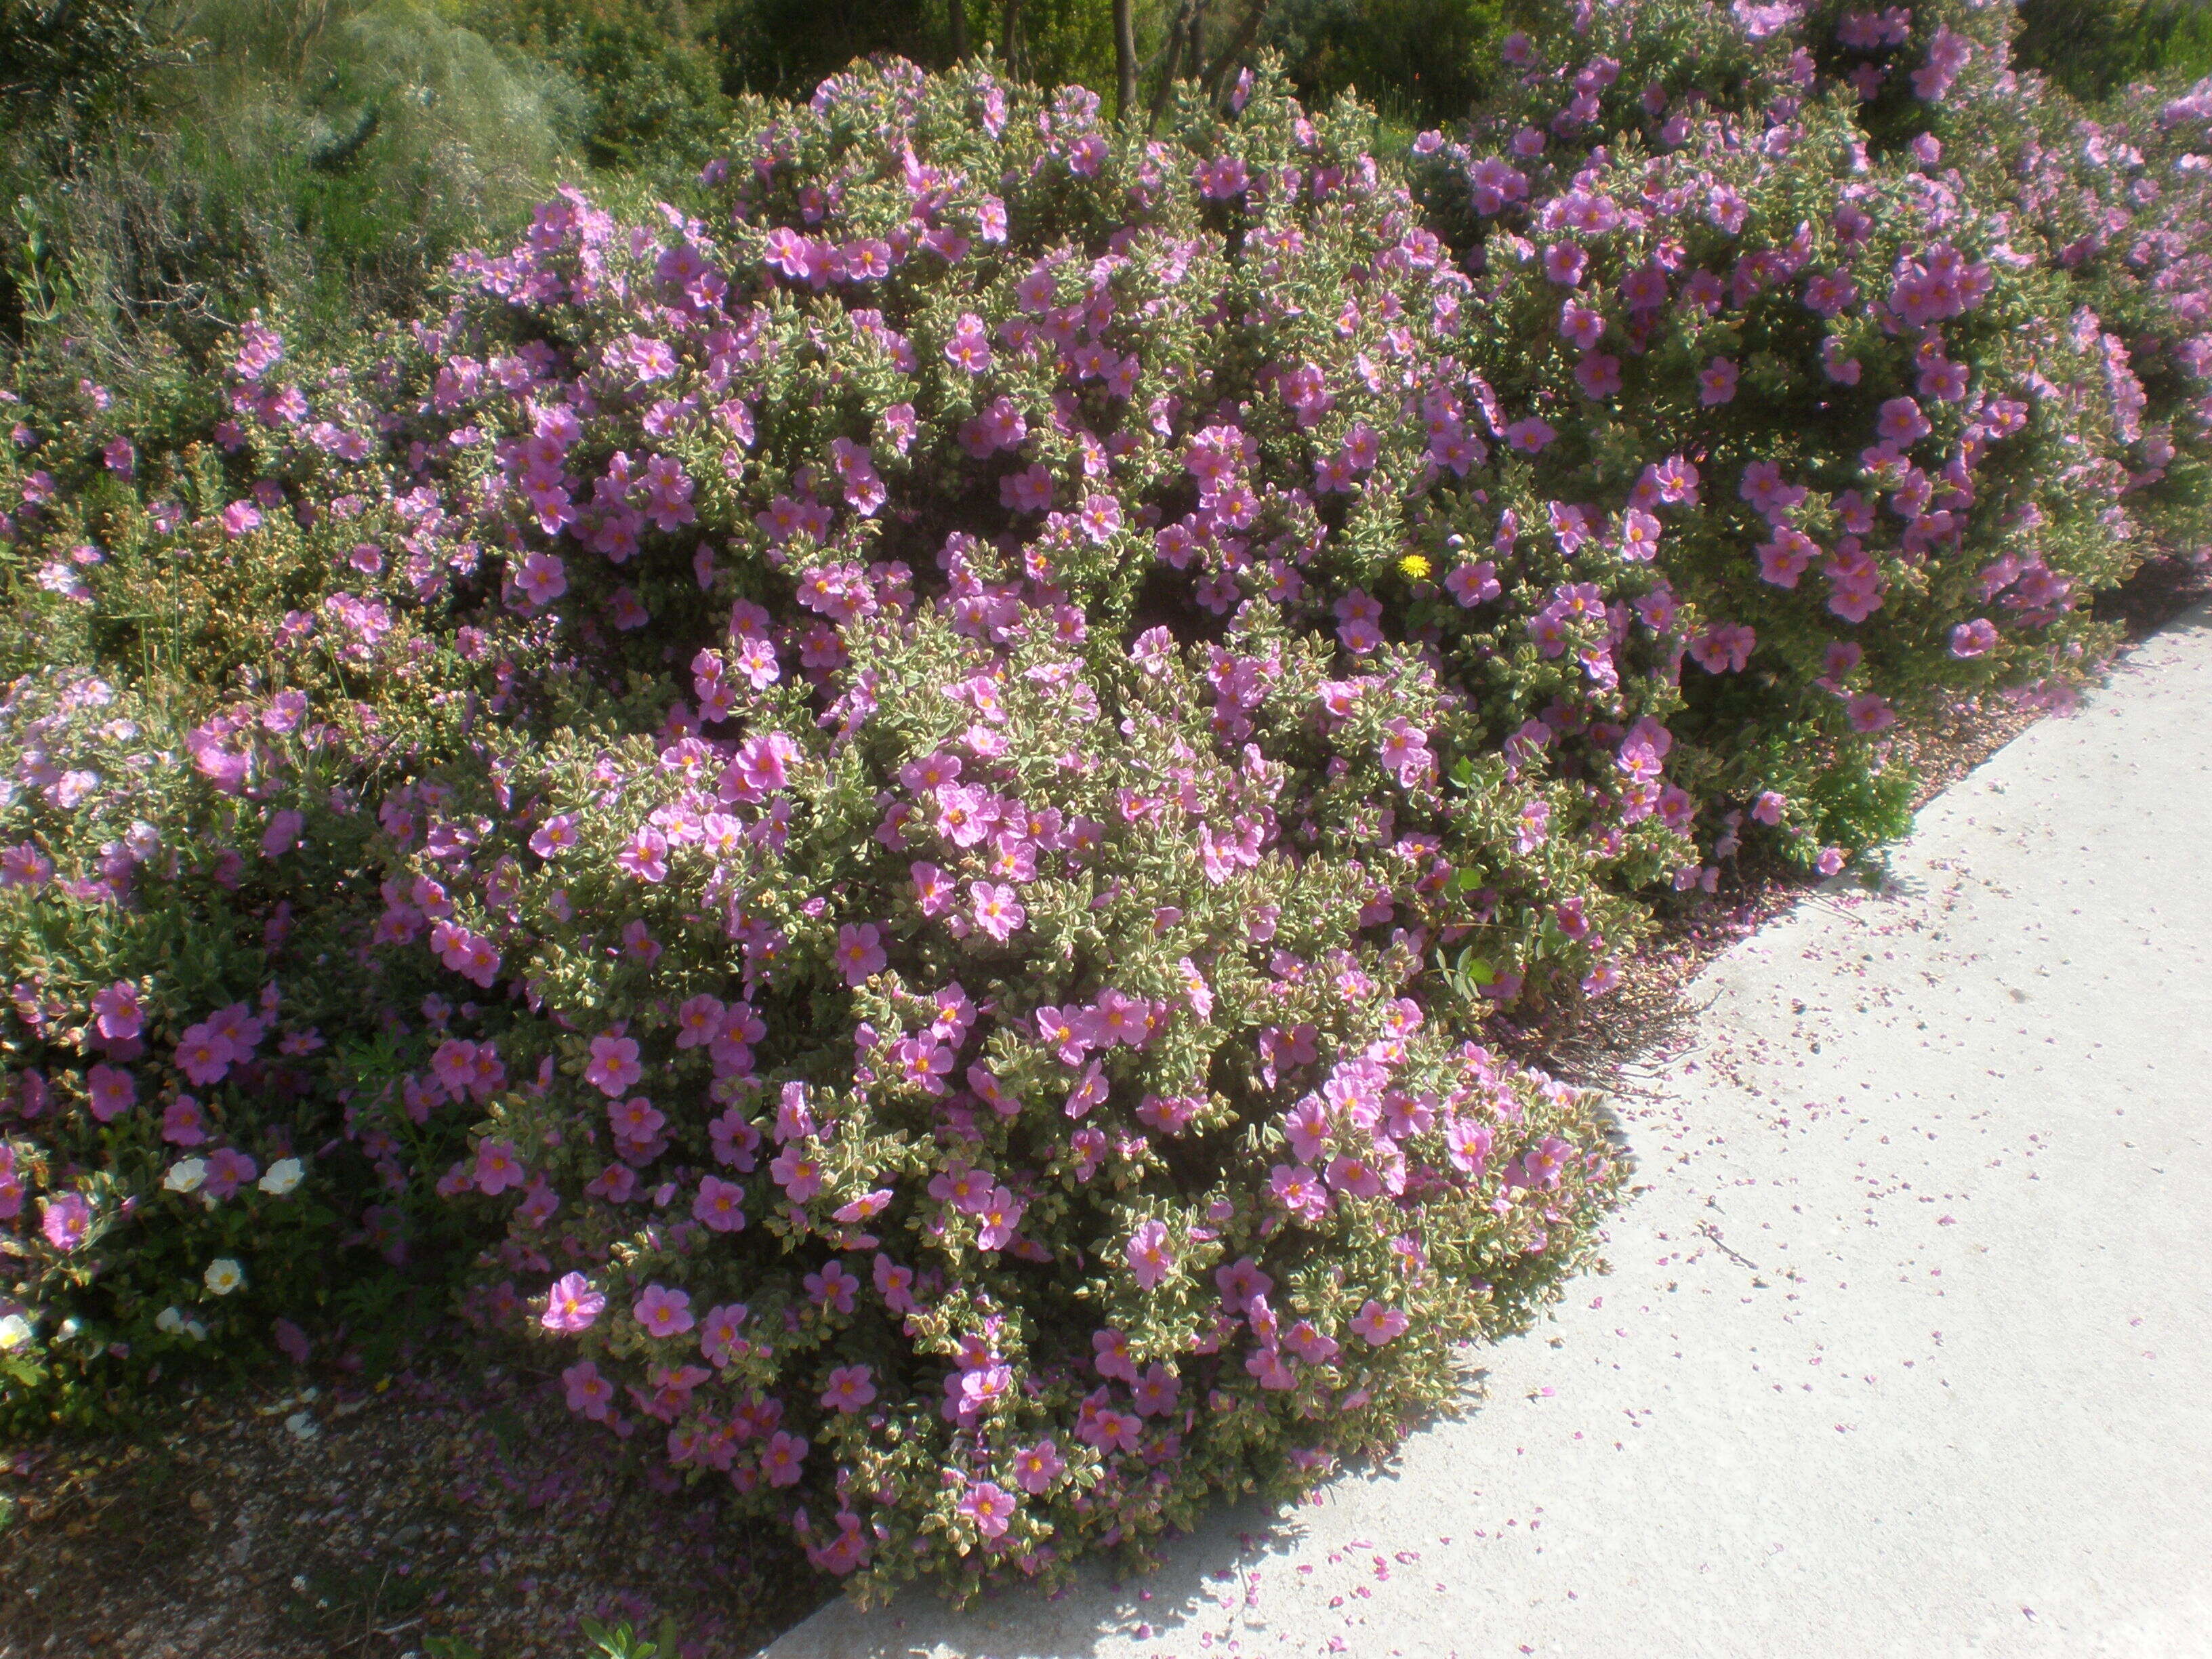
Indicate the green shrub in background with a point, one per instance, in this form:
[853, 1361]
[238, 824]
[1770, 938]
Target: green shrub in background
[1420, 62]
[643, 84]
[329, 157]
[2092, 48]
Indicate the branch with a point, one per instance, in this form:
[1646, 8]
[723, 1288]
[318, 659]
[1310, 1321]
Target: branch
[1237, 46]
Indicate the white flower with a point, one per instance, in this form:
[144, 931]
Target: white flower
[223, 1275]
[170, 1321]
[186, 1175]
[195, 1330]
[15, 1332]
[283, 1175]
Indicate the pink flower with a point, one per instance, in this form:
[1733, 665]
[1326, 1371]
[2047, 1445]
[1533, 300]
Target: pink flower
[1474, 584]
[24, 866]
[1355, 1176]
[1099, 1425]
[997, 911]
[1716, 382]
[1724, 648]
[1038, 1468]
[1544, 1162]
[203, 1055]
[1973, 639]
[499, 1167]
[1240, 1282]
[184, 1123]
[1110, 1356]
[969, 349]
[999, 1213]
[699, 1021]
[282, 834]
[719, 1338]
[1100, 517]
[571, 1306]
[1468, 1145]
[1599, 375]
[542, 579]
[800, 1175]
[1530, 435]
[781, 1459]
[849, 1389]
[1156, 1392]
[116, 1013]
[832, 1290]
[1069, 1032]
[646, 856]
[1089, 1092]
[1869, 713]
[720, 1204]
[227, 1169]
[1150, 1259]
[67, 1219]
[588, 1393]
[1901, 423]
[555, 836]
[859, 953]
[1221, 179]
[110, 1092]
[614, 1064]
[989, 1507]
[1377, 1324]
[1404, 754]
[1299, 1191]
[664, 1312]
[1786, 557]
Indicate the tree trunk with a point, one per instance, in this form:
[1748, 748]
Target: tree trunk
[1170, 59]
[1008, 17]
[1125, 61]
[959, 15]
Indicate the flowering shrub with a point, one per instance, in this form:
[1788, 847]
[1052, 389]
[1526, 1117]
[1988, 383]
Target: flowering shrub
[928, 1117]
[999, 1093]
[2118, 200]
[170, 1167]
[181, 839]
[1898, 451]
[909, 783]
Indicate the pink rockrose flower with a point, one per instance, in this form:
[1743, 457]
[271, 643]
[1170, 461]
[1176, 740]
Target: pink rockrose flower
[1149, 1258]
[663, 1312]
[1376, 1324]
[571, 1305]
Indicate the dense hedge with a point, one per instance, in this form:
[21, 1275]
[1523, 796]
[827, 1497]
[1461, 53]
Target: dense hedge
[906, 786]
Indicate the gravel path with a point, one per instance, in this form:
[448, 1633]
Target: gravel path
[1906, 1346]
